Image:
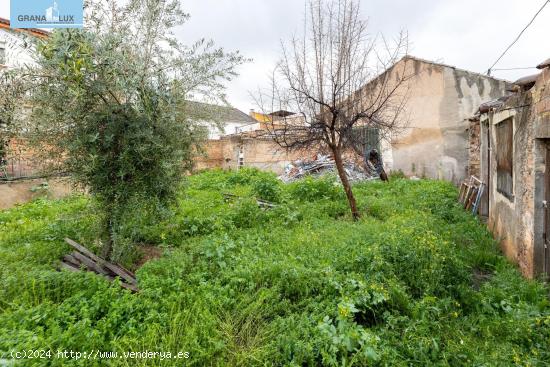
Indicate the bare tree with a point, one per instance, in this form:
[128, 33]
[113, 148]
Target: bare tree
[336, 80]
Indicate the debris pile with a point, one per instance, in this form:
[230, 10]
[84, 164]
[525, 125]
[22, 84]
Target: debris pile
[82, 258]
[320, 166]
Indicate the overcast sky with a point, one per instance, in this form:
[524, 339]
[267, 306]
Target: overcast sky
[469, 34]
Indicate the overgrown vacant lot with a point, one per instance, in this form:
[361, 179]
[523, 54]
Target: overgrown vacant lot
[415, 281]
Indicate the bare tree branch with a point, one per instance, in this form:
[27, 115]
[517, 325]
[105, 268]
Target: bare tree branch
[337, 80]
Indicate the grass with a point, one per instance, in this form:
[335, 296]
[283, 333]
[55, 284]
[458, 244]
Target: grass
[417, 281]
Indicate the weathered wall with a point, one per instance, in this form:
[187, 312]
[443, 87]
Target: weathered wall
[21, 160]
[511, 219]
[18, 192]
[440, 101]
[541, 125]
[17, 53]
[261, 153]
[267, 155]
[474, 155]
[212, 155]
[518, 222]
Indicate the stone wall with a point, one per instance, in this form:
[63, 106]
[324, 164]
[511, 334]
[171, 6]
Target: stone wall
[474, 154]
[517, 222]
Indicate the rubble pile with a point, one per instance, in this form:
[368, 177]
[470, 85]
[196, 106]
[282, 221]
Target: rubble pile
[320, 166]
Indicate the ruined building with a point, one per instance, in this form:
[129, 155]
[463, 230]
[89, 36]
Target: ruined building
[440, 99]
[513, 147]
[433, 143]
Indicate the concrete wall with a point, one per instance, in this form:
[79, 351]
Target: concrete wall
[518, 222]
[440, 101]
[511, 219]
[18, 192]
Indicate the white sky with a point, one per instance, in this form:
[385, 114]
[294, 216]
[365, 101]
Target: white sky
[469, 34]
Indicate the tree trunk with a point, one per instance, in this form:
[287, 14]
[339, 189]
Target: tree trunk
[337, 155]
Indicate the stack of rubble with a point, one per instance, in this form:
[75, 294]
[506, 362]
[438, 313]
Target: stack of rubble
[322, 165]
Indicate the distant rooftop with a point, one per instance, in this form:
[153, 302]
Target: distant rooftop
[219, 113]
[5, 23]
[281, 113]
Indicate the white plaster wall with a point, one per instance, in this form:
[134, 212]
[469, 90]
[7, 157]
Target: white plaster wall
[440, 100]
[17, 46]
[215, 131]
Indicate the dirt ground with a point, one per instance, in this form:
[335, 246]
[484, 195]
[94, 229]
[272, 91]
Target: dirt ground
[18, 192]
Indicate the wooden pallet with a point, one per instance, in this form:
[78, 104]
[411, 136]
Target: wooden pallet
[84, 259]
[470, 194]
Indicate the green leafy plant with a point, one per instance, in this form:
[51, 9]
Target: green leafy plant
[239, 285]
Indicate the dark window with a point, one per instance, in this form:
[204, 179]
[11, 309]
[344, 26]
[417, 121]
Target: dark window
[368, 137]
[504, 148]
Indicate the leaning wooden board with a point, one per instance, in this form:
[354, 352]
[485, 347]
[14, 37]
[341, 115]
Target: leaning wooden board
[84, 258]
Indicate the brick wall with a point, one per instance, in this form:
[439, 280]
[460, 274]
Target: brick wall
[259, 152]
[21, 161]
[212, 156]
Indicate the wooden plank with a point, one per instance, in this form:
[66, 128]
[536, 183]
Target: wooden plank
[126, 270]
[115, 269]
[73, 268]
[265, 203]
[71, 260]
[467, 195]
[471, 198]
[90, 264]
[121, 273]
[462, 192]
[83, 250]
[130, 287]
[63, 265]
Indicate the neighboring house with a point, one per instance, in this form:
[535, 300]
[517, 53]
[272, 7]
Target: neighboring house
[434, 142]
[269, 121]
[15, 51]
[441, 99]
[513, 145]
[246, 141]
[14, 44]
[219, 120]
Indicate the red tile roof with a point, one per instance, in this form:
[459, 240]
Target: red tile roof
[5, 23]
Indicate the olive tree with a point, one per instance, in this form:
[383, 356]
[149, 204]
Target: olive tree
[109, 103]
[11, 93]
